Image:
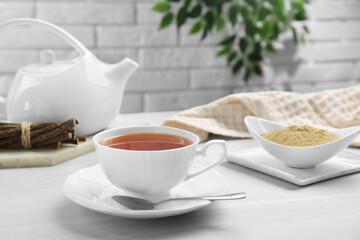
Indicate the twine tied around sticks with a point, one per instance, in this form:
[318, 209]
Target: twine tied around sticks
[25, 134]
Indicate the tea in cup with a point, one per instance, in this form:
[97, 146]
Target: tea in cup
[149, 161]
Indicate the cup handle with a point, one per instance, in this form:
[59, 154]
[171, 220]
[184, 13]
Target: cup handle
[202, 152]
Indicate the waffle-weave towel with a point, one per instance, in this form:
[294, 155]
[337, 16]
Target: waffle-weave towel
[335, 108]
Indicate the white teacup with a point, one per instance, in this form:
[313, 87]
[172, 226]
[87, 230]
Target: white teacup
[151, 174]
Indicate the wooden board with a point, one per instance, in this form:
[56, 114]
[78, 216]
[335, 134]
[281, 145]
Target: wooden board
[43, 157]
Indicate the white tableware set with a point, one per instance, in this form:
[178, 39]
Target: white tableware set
[91, 91]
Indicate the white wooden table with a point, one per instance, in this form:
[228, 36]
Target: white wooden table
[33, 206]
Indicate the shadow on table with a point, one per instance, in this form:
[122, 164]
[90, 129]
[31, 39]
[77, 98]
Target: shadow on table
[88, 224]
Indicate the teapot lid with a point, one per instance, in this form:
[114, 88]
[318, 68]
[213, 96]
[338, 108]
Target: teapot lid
[47, 64]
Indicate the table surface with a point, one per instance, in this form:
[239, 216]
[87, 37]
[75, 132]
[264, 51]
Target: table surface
[33, 206]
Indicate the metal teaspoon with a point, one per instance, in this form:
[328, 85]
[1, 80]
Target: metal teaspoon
[142, 204]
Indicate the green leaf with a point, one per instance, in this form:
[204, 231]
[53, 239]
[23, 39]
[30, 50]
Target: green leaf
[210, 3]
[181, 16]
[258, 70]
[210, 19]
[302, 37]
[300, 15]
[278, 4]
[266, 29]
[237, 66]
[231, 56]
[196, 27]
[173, 0]
[161, 7]
[166, 20]
[300, 12]
[263, 13]
[295, 36]
[187, 4]
[248, 73]
[219, 6]
[252, 3]
[281, 4]
[244, 12]
[250, 27]
[278, 9]
[219, 23]
[256, 55]
[196, 11]
[232, 14]
[306, 29]
[225, 50]
[204, 34]
[275, 32]
[228, 40]
[269, 47]
[243, 43]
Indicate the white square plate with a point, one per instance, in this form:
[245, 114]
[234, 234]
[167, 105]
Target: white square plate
[257, 159]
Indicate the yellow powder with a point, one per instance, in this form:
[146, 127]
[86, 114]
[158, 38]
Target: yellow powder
[300, 136]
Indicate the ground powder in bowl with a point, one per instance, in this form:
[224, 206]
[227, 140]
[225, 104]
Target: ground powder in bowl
[301, 136]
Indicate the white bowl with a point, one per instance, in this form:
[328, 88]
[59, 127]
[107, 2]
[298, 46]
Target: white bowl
[298, 157]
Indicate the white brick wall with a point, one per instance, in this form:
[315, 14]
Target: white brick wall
[144, 15]
[180, 99]
[158, 80]
[179, 71]
[85, 12]
[34, 37]
[13, 9]
[135, 36]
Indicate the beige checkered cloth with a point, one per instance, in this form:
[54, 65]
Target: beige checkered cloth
[337, 108]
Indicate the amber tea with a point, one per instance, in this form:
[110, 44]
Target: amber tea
[146, 141]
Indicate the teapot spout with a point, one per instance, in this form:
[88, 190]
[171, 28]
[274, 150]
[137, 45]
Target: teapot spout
[123, 70]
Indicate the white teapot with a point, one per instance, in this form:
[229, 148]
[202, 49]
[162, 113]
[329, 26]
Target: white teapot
[83, 88]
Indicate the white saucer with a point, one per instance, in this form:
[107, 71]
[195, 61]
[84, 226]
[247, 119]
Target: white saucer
[343, 163]
[90, 188]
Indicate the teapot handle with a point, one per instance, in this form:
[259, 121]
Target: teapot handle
[79, 47]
